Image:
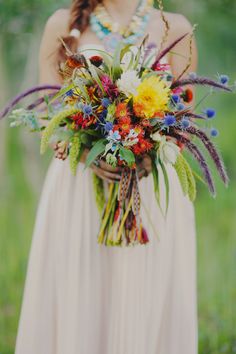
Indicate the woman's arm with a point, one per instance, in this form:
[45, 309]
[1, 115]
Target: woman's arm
[181, 53]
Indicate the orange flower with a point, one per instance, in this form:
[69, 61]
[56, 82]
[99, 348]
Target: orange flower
[122, 110]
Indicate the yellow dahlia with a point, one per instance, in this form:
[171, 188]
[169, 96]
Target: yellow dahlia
[152, 96]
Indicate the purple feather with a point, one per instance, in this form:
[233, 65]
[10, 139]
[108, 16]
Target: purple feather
[167, 50]
[212, 151]
[194, 150]
[24, 94]
[204, 81]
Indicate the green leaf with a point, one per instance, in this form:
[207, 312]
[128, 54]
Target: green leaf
[127, 155]
[155, 175]
[62, 92]
[116, 67]
[95, 76]
[96, 150]
[166, 180]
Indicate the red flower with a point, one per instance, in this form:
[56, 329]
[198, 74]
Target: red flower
[187, 95]
[161, 67]
[96, 60]
[124, 124]
[142, 146]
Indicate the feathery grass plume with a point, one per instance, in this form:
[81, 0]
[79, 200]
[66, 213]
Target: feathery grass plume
[212, 151]
[98, 187]
[24, 94]
[166, 24]
[181, 172]
[74, 153]
[192, 190]
[194, 150]
[53, 124]
[204, 81]
[189, 62]
[167, 50]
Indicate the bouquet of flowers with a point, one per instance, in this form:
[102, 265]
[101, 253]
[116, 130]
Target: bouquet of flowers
[122, 108]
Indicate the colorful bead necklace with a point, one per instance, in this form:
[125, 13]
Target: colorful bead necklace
[110, 32]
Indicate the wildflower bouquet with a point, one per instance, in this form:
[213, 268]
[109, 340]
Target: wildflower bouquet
[122, 107]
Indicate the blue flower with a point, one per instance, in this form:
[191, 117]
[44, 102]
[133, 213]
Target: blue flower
[70, 93]
[169, 120]
[87, 109]
[105, 102]
[176, 98]
[185, 123]
[210, 113]
[108, 126]
[180, 106]
[192, 75]
[214, 132]
[224, 79]
[114, 135]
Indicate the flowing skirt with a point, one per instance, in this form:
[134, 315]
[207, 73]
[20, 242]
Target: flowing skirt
[84, 298]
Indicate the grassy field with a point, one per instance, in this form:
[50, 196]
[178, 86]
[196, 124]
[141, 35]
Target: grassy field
[22, 171]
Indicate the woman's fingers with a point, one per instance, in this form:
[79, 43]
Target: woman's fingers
[106, 175]
[105, 166]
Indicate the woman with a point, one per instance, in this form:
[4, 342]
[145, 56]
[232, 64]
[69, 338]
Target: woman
[83, 298]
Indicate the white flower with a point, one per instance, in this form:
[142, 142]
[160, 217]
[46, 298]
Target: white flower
[168, 151]
[128, 82]
[156, 136]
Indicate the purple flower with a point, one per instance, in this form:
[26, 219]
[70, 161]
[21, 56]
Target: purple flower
[169, 120]
[214, 132]
[87, 109]
[224, 79]
[108, 126]
[210, 113]
[176, 98]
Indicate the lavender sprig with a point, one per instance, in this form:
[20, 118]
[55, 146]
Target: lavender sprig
[194, 150]
[24, 94]
[168, 49]
[204, 81]
[212, 151]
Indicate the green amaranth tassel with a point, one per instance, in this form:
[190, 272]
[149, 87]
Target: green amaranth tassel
[53, 124]
[98, 187]
[186, 177]
[181, 172]
[74, 153]
[192, 190]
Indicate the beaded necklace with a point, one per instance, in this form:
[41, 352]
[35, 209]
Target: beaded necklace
[110, 32]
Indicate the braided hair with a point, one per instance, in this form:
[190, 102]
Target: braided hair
[79, 19]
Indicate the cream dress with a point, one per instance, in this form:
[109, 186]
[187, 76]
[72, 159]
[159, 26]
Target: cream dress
[84, 298]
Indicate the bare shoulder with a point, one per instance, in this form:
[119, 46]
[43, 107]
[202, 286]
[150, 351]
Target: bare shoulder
[178, 23]
[57, 23]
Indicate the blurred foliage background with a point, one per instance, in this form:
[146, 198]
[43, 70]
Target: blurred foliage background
[22, 170]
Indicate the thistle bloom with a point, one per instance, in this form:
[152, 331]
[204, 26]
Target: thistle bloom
[152, 96]
[87, 109]
[108, 126]
[214, 132]
[224, 79]
[210, 113]
[169, 120]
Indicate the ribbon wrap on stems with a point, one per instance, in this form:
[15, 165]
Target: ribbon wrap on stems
[121, 221]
